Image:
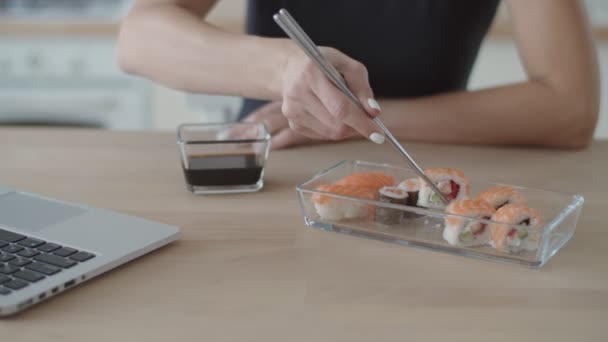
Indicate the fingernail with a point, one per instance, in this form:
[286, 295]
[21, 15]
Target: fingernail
[374, 104]
[377, 138]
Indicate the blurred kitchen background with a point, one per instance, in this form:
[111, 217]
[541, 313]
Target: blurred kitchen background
[57, 67]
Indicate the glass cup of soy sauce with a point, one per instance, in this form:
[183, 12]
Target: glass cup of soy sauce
[223, 158]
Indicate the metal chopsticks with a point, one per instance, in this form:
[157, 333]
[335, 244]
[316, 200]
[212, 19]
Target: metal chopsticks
[297, 34]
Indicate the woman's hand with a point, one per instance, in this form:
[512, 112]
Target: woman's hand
[317, 109]
[282, 135]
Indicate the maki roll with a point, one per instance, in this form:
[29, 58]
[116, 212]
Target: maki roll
[412, 187]
[512, 233]
[390, 216]
[499, 196]
[461, 231]
[451, 182]
[332, 208]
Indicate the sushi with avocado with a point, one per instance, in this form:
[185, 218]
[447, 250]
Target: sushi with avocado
[462, 225]
[451, 182]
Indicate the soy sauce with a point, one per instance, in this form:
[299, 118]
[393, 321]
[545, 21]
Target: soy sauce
[223, 170]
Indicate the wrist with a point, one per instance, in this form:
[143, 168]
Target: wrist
[290, 54]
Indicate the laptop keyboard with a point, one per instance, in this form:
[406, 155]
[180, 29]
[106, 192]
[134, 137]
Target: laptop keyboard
[25, 260]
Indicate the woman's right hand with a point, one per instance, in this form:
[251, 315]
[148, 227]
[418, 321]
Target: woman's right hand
[316, 108]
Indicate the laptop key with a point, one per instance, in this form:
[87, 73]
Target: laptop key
[20, 262]
[65, 251]
[28, 275]
[7, 236]
[43, 268]
[6, 257]
[82, 256]
[12, 248]
[16, 284]
[55, 260]
[4, 291]
[3, 243]
[30, 242]
[48, 247]
[8, 269]
[28, 253]
[4, 278]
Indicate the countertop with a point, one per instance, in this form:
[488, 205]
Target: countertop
[248, 269]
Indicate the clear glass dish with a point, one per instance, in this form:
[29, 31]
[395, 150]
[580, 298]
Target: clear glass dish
[224, 157]
[423, 227]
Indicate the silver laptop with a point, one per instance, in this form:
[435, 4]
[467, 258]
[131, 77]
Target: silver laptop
[48, 246]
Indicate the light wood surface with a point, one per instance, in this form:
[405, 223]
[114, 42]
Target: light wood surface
[247, 268]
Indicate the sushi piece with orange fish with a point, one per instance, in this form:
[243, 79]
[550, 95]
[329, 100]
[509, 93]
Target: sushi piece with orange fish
[462, 231]
[371, 180]
[451, 182]
[517, 227]
[499, 196]
[359, 185]
[333, 208]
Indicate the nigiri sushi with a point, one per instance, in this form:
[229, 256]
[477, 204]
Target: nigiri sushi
[460, 231]
[390, 216]
[511, 235]
[331, 208]
[500, 196]
[372, 180]
[451, 182]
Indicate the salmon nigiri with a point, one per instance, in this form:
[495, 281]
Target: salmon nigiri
[332, 208]
[372, 180]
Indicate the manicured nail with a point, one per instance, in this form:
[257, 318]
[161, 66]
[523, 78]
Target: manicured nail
[374, 104]
[377, 138]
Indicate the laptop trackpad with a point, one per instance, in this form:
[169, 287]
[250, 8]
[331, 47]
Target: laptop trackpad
[32, 213]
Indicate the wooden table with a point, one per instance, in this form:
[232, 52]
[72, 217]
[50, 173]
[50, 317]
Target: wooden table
[247, 269]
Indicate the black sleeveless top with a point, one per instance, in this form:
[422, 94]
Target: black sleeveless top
[411, 48]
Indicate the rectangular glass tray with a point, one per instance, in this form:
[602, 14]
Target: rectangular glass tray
[559, 211]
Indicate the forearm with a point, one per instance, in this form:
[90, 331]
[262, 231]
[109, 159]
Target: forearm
[172, 46]
[529, 113]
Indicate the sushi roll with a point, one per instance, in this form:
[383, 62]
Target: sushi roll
[390, 216]
[372, 180]
[335, 209]
[412, 187]
[460, 231]
[511, 235]
[499, 196]
[451, 182]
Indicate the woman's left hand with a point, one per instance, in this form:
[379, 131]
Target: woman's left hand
[278, 126]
